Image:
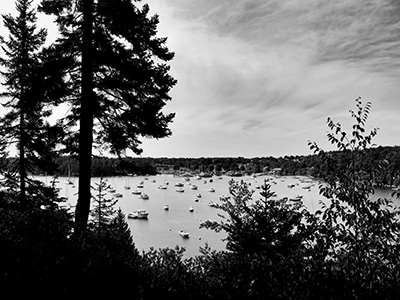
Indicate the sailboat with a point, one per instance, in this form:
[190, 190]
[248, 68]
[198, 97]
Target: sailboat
[69, 181]
[127, 186]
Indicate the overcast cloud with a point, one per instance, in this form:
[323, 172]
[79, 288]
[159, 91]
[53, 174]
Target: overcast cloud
[260, 77]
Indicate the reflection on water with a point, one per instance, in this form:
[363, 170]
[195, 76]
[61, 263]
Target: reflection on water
[162, 227]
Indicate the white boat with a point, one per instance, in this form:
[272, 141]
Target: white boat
[140, 186]
[191, 209]
[127, 187]
[212, 204]
[194, 187]
[162, 187]
[183, 233]
[136, 192]
[112, 190]
[199, 195]
[118, 195]
[296, 198]
[180, 190]
[166, 207]
[211, 190]
[179, 184]
[144, 196]
[139, 214]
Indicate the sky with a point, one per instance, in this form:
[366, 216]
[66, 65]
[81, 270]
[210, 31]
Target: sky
[260, 77]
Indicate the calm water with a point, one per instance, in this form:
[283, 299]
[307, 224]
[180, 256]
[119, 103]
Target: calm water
[162, 227]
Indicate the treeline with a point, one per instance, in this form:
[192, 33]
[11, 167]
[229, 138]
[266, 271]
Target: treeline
[311, 165]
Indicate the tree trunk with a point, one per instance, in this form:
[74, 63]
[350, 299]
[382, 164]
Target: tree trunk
[86, 123]
[22, 143]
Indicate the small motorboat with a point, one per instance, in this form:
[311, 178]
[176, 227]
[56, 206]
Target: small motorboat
[183, 233]
[179, 184]
[180, 190]
[191, 209]
[194, 187]
[117, 195]
[139, 214]
[162, 187]
[136, 192]
[166, 207]
[144, 196]
[212, 190]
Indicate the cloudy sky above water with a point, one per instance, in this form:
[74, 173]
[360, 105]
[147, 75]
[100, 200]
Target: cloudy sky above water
[260, 77]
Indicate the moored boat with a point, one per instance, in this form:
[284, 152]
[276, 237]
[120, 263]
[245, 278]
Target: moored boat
[144, 196]
[139, 214]
[183, 233]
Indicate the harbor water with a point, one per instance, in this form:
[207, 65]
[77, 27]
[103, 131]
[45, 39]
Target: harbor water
[162, 227]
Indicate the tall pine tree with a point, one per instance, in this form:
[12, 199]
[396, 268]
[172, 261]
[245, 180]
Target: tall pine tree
[119, 79]
[30, 85]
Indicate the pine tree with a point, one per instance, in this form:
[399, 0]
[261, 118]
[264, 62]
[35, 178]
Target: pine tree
[26, 78]
[118, 64]
[103, 208]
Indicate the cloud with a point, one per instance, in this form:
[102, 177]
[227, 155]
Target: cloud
[279, 68]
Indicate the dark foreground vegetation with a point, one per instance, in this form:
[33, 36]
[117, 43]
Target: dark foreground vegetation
[276, 249]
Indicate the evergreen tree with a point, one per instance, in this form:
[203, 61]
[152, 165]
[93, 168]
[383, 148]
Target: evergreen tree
[118, 63]
[268, 225]
[103, 208]
[26, 78]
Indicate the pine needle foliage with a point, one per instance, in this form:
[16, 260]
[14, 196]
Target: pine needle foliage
[103, 208]
[26, 99]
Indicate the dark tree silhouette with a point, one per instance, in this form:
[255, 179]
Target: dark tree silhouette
[118, 64]
[30, 84]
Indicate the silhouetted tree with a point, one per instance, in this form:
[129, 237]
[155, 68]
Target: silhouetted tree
[29, 86]
[267, 225]
[357, 230]
[103, 208]
[119, 65]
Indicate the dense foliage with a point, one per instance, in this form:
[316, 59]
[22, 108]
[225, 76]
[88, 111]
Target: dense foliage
[27, 102]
